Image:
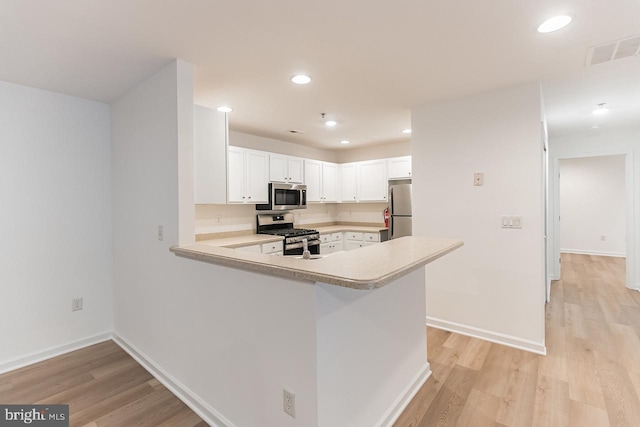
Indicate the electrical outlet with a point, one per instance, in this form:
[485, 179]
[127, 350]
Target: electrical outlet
[76, 304]
[478, 179]
[289, 399]
[160, 233]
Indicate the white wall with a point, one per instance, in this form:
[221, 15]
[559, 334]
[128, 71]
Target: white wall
[592, 205]
[493, 287]
[374, 152]
[238, 217]
[55, 220]
[177, 312]
[253, 142]
[602, 143]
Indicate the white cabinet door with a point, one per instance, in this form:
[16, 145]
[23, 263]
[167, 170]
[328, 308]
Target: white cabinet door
[349, 182]
[235, 175]
[209, 152]
[351, 245]
[313, 180]
[325, 248]
[278, 168]
[257, 176]
[329, 182]
[295, 166]
[372, 181]
[400, 167]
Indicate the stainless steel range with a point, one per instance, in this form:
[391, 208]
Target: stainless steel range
[282, 225]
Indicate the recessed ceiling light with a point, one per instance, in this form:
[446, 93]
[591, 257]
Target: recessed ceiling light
[603, 108]
[554, 24]
[224, 109]
[301, 79]
[406, 131]
[345, 142]
[331, 123]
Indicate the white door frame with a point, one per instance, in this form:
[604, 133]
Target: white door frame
[631, 222]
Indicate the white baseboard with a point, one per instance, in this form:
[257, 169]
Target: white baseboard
[39, 356]
[581, 252]
[395, 410]
[191, 399]
[494, 337]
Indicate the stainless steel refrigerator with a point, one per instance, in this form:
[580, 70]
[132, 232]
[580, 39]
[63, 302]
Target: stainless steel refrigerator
[400, 210]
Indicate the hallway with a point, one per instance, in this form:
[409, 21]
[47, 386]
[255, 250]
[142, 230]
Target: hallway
[590, 376]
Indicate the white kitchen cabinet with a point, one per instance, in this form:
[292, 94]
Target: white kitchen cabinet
[210, 133]
[272, 248]
[400, 167]
[321, 179]
[285, 169]
[250, 248]
[248, 176]
[349, 179]
[372, 181]
[330, 243]
[356, 239]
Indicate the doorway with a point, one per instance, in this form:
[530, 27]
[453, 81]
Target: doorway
[596, 219]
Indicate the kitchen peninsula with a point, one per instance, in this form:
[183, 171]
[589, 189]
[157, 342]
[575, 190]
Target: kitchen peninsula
[367, 329]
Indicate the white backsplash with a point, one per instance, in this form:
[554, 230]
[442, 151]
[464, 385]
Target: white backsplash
[224, 218]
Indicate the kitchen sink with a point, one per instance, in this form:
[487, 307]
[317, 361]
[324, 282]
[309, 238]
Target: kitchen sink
[312, 257]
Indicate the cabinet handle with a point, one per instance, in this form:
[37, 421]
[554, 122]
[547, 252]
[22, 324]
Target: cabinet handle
[409, 173]
[249, 197]
[243, 197]
[354, 197]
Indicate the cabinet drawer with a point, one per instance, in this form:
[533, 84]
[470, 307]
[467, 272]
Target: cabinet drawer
[325, 238]
[269, 248]
[336, 237]
[371, 237]
[353, 235]
[252, 248]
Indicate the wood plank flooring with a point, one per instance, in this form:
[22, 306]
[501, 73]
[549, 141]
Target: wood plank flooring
[590, 376]
[102, 385]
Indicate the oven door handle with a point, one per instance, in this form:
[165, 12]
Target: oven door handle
[300, 244]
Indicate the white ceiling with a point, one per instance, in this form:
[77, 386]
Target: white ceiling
[371, 60]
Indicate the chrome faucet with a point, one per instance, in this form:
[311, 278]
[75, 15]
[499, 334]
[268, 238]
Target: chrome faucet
[305, 249]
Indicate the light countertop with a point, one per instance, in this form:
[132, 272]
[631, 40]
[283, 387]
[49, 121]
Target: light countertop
[365, 268]
[258, 239]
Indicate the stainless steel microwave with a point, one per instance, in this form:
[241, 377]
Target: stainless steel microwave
[284, 197]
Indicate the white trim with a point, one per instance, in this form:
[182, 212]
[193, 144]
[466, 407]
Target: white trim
[181, 391]
[494, 337]
[581, 252]
[39, 356]
[392, 414]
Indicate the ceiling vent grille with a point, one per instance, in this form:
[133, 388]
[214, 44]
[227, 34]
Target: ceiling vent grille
[618, 49]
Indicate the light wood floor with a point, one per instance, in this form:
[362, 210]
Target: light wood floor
[590, 376]
[103, 386]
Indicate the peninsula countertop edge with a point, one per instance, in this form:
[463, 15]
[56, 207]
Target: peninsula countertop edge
[366, 268]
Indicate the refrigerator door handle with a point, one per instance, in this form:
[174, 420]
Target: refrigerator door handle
[391, 198]
[391, 226]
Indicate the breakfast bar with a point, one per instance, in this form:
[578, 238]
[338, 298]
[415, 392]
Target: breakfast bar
[367, 332]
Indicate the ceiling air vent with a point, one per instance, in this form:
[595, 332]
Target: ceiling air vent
[296, 131]
[618, 49]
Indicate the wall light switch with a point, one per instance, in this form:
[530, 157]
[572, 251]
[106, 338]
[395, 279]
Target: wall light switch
[478, 179]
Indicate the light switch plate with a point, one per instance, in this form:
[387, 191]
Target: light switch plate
[511, 221]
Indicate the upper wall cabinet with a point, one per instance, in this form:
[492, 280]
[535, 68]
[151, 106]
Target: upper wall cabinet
[372, 181]
[248, 176]
[286, 169]
[210, 135]
[349, 179]
[400, 167]
[321, 179]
